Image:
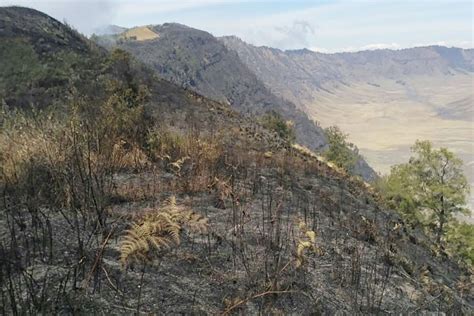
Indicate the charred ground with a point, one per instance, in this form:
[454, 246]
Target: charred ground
[285, 232]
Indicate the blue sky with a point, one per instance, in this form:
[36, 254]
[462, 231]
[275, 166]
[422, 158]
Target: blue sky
[323, 25]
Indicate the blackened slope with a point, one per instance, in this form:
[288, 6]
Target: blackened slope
[195, 59]
[349, 223]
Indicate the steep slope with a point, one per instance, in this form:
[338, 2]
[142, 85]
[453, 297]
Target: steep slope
[398, 96]
[196, 60]
[279, 230]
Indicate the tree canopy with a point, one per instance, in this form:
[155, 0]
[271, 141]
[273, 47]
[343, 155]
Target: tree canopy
[430, 189]
[341, 152]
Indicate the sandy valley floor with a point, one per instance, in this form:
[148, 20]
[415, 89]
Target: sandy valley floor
[385, 118]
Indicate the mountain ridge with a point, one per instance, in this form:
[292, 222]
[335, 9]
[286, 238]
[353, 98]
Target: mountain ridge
[196, 60]
[324, 67]
[116, 29]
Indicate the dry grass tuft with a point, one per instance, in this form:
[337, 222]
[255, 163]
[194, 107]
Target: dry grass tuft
[24, 143]
[129, 157]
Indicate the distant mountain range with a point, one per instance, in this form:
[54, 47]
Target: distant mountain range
[385, 99]
[299, 75]
[199, 61]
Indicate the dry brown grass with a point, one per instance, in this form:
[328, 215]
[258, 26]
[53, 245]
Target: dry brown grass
[141, 33]
[24, 143]
[129, 157]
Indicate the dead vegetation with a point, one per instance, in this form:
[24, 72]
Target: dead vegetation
[158, 230]
[192, 209]
[274, 234]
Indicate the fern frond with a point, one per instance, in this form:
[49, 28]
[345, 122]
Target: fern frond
[197, 223]
[306, 242]
[157, 230]
[171, 202]
[311, 235]
[174, 232]
[298, 262]
[159, 242]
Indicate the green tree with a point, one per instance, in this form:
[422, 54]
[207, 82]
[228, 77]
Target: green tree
[341, 152]
[460, 238]
[397, 190]
[431, 188]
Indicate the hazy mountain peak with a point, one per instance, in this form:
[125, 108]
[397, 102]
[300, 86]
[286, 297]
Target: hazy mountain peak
[109, 30]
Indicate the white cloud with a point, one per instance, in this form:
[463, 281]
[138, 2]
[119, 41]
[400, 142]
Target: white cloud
[296, 35]
[356, 25]
[328, 26]
[380, 46]
[334, 50]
